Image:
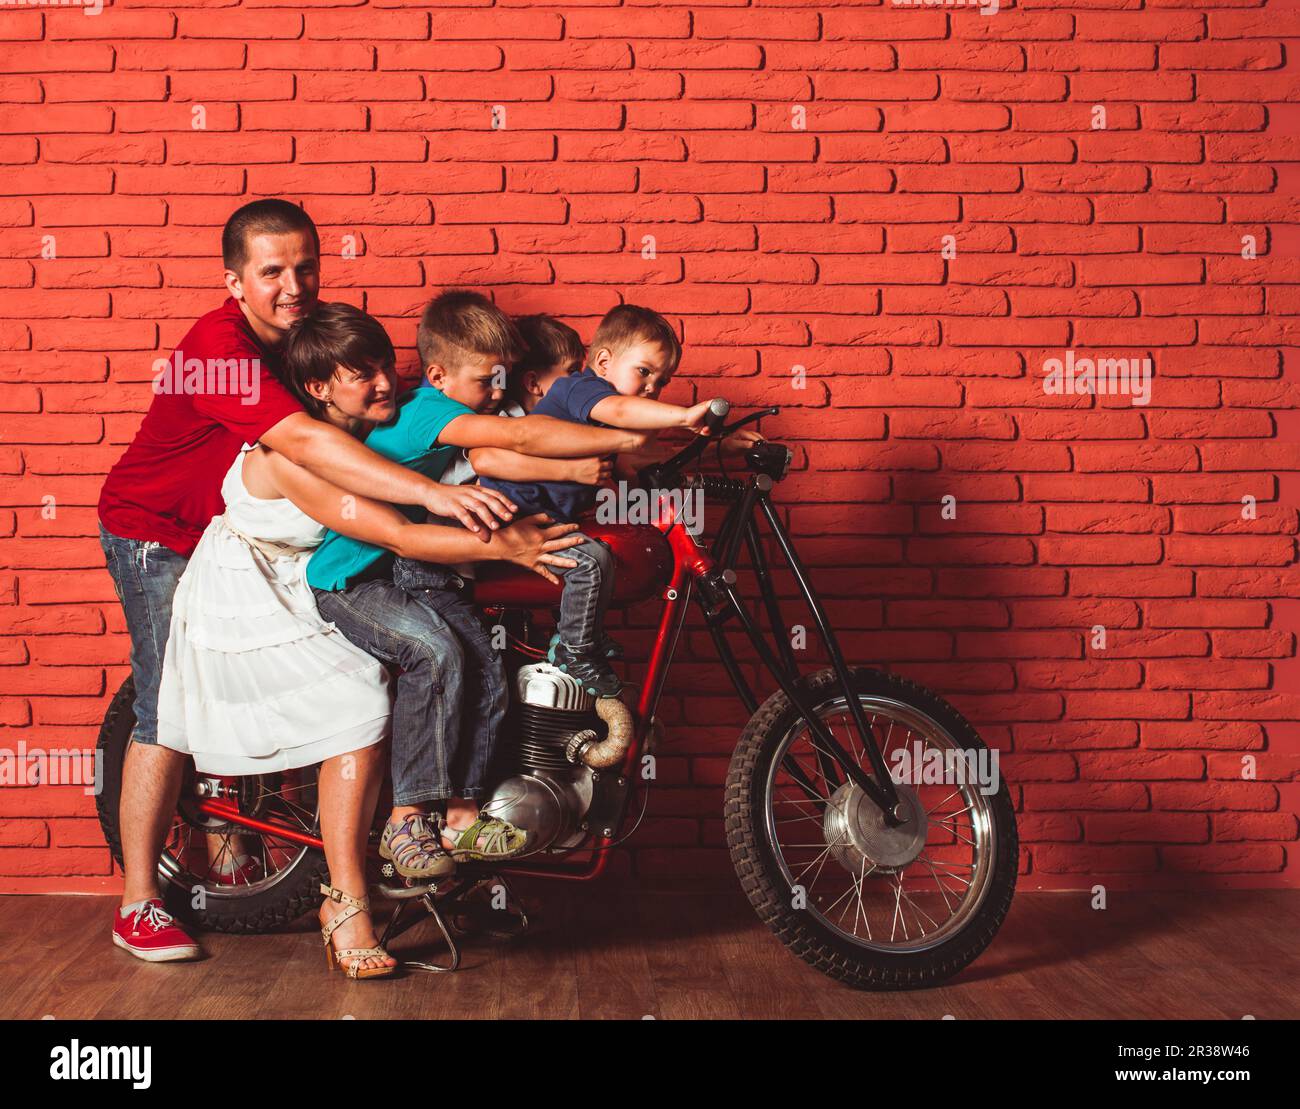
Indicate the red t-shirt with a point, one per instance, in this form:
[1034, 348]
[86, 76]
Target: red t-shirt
[166, 488]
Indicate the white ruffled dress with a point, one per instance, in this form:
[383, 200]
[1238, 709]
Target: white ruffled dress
[254, 680]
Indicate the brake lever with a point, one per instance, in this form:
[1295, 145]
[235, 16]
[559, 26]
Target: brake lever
[761, 414]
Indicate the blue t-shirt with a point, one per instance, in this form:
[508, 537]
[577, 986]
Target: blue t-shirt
[571, 398]
[411, 438]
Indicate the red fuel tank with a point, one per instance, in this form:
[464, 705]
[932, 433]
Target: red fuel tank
[643, 567]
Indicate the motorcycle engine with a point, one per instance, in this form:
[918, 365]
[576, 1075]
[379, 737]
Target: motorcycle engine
[540, 790]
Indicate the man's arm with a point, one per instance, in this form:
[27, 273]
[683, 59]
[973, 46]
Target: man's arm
[644, 414]
[335, 456]
[544, 436]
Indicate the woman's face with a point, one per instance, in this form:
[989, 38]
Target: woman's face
[356, 398]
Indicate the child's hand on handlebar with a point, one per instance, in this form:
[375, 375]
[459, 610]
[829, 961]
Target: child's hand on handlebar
[533, 542]
[695, 415]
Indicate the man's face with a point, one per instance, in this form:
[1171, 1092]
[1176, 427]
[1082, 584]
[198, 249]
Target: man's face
[640, 370]
[280, 282]
[478, 381]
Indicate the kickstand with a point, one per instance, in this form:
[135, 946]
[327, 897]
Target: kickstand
[468, 918]
[402, 922]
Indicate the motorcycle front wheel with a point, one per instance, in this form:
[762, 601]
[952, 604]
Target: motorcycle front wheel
[879, 907]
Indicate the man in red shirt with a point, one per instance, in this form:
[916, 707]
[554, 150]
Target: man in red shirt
[218, 392]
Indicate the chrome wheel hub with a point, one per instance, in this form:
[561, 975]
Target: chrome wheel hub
[859, 838]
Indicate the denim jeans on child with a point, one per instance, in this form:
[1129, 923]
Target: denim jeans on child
[451, 694]
[145, 576]
[588, 588]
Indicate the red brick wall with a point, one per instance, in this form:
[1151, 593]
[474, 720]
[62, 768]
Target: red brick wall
[777, 245]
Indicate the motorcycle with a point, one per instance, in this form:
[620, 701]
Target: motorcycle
[881, 879]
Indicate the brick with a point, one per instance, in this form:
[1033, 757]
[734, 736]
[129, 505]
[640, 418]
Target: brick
[1207, 734]
[1253, 644]
[1236, 827]
[1213, 796]
[1223, 858]
[1146, 828]
[1095, 861]
[1123, 796]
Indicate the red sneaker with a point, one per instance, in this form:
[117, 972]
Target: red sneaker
[150, 932]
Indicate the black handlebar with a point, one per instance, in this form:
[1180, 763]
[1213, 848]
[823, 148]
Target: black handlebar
[665, 474]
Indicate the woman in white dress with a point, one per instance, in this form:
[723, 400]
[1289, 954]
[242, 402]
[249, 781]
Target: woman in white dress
[254, 681]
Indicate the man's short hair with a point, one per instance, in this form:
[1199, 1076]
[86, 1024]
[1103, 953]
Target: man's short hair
[625, 325]
[333, 335]
[261, 217]
[460, 323]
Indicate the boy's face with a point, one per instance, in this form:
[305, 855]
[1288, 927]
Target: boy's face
[478, 381]
[640, 370]
[280, 282]
[533, 385]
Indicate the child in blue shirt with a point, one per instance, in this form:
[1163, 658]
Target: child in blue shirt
[632, 358]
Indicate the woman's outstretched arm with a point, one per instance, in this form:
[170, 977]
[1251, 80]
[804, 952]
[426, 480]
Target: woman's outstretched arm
[532, 542]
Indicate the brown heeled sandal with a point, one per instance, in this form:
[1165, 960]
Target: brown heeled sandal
[354, 905]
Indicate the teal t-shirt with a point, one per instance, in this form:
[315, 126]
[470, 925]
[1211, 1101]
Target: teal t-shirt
[410, 438]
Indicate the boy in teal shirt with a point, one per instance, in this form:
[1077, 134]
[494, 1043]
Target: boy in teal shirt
[411, 439]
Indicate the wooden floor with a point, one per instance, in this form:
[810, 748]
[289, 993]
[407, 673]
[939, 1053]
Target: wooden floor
[628, 953]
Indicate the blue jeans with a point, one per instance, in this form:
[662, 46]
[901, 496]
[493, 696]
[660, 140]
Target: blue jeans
[145, 576]
[588, 588]
[451, 694]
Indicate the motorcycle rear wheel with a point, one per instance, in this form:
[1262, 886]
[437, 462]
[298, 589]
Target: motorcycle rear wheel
[944, 878]
[288, 884]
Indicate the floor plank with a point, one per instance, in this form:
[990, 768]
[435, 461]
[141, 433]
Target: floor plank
[620, 952]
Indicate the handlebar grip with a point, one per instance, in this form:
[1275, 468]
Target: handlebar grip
[718, 409]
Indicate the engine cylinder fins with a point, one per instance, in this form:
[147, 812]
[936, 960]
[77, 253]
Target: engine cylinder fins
[536, 737]
[546, 686]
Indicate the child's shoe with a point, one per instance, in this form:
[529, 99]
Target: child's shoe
[594, 674]
[605, 646]
[415, 849]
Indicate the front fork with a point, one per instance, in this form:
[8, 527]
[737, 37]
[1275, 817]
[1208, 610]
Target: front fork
[720, 601]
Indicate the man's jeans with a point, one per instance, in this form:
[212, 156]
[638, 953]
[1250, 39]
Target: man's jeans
[145, 576]
[451, 694]
[588, 588]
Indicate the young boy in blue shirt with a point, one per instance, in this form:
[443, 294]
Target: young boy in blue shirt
[632, 357]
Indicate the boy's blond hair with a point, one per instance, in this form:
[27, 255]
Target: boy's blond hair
[628, 324]
[460, 322]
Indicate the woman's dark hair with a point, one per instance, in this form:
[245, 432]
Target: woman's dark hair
[261, 217]
[333, 335]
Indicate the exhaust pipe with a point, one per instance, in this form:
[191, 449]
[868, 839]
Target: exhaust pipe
[584, 747]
